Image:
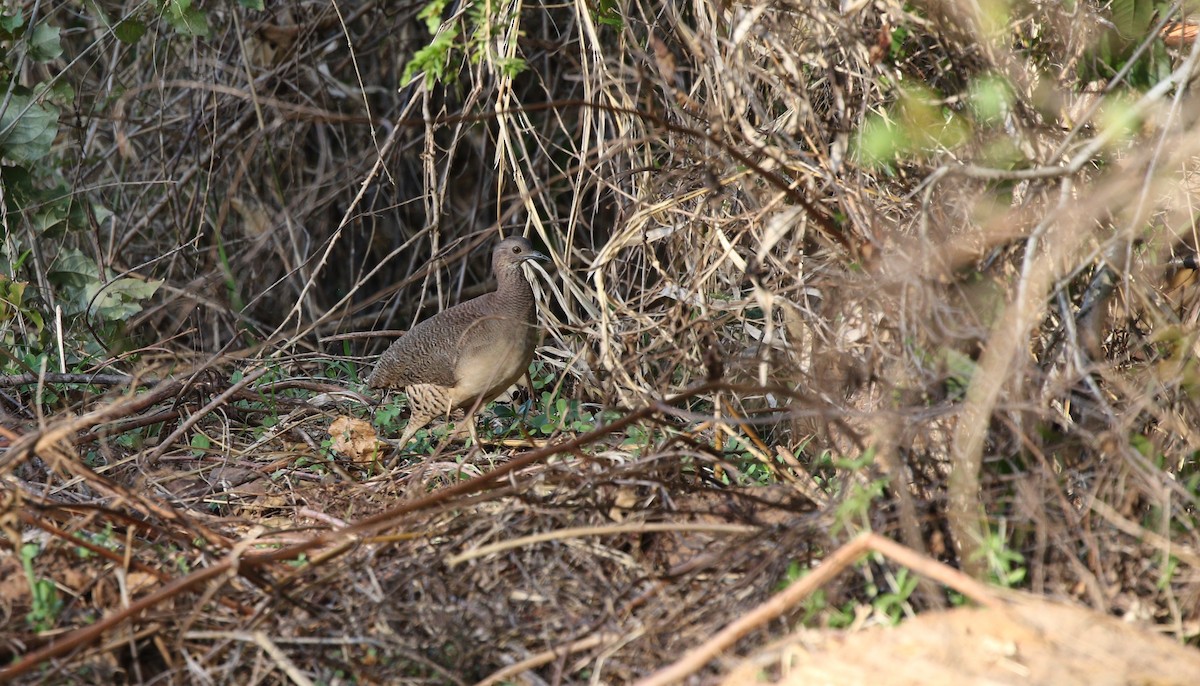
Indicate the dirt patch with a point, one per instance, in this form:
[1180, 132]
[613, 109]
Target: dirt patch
[1030, 642]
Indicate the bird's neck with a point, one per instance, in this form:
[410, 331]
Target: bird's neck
[513, 287]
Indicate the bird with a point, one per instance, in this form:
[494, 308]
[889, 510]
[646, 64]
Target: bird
[465, 356]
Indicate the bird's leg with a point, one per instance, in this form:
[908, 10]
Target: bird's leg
[414, 425]
[416, 422]
[528, 405]
[471, 429]
[470, 420]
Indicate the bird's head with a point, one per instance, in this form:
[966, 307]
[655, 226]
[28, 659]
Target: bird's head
[511, 252]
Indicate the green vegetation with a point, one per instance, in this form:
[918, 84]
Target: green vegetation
[483, 26]
[43, 212]
[43, 594]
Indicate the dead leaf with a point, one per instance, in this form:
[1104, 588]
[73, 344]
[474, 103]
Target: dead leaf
[354, 438]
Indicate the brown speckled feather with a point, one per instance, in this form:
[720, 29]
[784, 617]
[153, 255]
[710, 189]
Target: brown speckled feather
[428, 353]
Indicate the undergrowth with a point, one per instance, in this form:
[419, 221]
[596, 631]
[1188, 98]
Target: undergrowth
[924, 270]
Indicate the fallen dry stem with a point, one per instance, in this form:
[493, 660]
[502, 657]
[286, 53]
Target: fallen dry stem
[546, 657]
[88, 634]
[281, 659]
[66, 428]
[213, 404]
[580, 532]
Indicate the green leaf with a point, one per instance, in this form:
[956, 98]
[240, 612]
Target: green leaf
[59, 92]
[73, 271]
[432, 60]
[9, 23]
[11, 291]
[185, 19]
[77, 279]
[101, 213]
[129, 30]
[35, 318]
[200, 443]
[990, 98]
[44, 44]
[1131, 18]
[608, 13]
[119, 299]
[881, 140]
[511, 66]
[431, 14]
[18, 187]
[50, 221]
[27, 129]
[1123, 16]
[1120, 115]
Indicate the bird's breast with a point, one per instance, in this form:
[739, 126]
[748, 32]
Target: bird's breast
[488, 371]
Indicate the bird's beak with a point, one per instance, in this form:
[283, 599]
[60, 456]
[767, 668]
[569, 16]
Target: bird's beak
[535, 255]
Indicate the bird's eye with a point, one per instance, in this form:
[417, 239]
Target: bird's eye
[516, 250]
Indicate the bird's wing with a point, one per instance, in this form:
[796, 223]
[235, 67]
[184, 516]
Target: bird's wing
[428, 353]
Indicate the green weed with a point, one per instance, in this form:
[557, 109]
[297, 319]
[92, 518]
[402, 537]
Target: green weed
[43, 594]
[1006, 567]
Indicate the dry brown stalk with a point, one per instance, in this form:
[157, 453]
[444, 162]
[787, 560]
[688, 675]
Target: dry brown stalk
[580, 532]
[546, 657]
[64, 430]
[251, 376]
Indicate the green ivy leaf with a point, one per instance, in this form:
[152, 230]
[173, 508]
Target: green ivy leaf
[44, 43]
[27, 129]
[185, 19]
[119, 299]
[73, 272]
[129, 30]
[9, 23]
[59, 92]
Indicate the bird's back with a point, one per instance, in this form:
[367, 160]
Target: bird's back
[429, 352]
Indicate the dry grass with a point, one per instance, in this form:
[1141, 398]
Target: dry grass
[985, 348]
